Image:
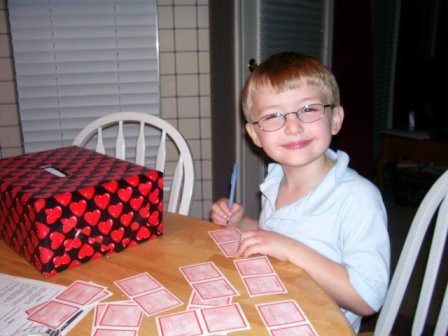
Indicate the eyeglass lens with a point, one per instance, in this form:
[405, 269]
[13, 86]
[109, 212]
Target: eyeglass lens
[307, 114]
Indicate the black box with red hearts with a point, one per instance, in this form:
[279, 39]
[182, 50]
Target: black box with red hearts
[63, 207]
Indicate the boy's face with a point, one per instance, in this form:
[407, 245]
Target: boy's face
[297, 143]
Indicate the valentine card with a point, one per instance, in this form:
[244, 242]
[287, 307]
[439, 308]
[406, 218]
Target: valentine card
[224, 318]
[138, 284]
[82, 293]
[54, 314]
[208, 281]
[285, 318]
[259, 277]
[214, 289]
[185, 323]
[228, 240]
[157, 301]
[201, 272]
[254, 266]
[112, 332]
[120, 315]
[298, 330]
[225, 235]
[264, 285]
[196, 301]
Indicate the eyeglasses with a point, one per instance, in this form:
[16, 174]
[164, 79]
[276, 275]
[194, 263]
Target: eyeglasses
[307, 114]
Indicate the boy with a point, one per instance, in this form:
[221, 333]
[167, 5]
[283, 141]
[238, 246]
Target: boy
[316, 212]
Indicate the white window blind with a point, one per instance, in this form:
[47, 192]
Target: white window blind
[295, 25]
[76, 60]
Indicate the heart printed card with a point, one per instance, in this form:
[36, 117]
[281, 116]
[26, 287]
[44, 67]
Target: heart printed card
[259, 277]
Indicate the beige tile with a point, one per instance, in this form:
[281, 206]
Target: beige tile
[204, 62]
[165, 16]
[164, 2]
[203, 40]
[187, 85]
[10, 136]
[207, 169]
[205, 128]
[167, 64]
[13, 151]
[186, 40]
[7, 92]
[189, 107]
[166, 40]
[169, 108]
[206, 146]
[3, 23]
[167, 86]
[186, 63]
[203, 17]
[205, 106]
[195, 145]
[185, 2]
[6, 73]
[204, 81]
[207, 190]
[185, 17]
[5, 49]
[9, 115]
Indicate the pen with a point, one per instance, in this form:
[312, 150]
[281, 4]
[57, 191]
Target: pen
[232, 189]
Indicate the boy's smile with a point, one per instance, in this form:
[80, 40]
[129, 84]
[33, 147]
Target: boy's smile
[296, 143]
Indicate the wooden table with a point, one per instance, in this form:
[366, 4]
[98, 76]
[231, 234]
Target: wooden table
[413, 145]
[186, 241]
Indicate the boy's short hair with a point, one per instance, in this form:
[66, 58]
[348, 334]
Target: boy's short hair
[286, 71]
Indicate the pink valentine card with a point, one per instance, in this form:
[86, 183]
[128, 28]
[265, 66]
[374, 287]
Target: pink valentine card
[138, 284]
[125, 315]
[284, 318]
[264, 285]
[185, 324]
[81, 293]
[254, 266]
[157, 301]
[214, 289]
[224, 318]
[114, 332]
[201, 272]
[53, 314]
[225, 235]
[298, 330]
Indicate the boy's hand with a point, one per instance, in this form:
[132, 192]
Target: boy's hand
[266, 243]
[222, 215]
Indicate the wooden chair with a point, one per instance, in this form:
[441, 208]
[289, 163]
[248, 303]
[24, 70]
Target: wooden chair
[433, 206]
[134, 133]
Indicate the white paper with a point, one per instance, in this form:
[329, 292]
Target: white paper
[19, 294]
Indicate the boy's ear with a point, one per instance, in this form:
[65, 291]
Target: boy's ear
[250, 128]
[336, 119]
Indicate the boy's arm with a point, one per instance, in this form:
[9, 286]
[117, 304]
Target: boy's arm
[331, 276]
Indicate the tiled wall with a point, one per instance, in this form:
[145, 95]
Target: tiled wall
[185, 87]
[10, 139]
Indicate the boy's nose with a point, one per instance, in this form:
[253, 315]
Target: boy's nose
[293, 124]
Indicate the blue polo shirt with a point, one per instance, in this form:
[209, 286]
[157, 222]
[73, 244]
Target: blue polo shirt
[344, 219]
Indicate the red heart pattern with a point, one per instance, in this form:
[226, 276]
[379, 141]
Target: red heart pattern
[59, 223]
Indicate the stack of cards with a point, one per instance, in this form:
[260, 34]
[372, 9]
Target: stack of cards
[78, 298]
[205, 321]
[259, 276]
[228, 240]
[117, 318]
[284, 318]
[196, 302]
[148, 293]
[208, 281]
